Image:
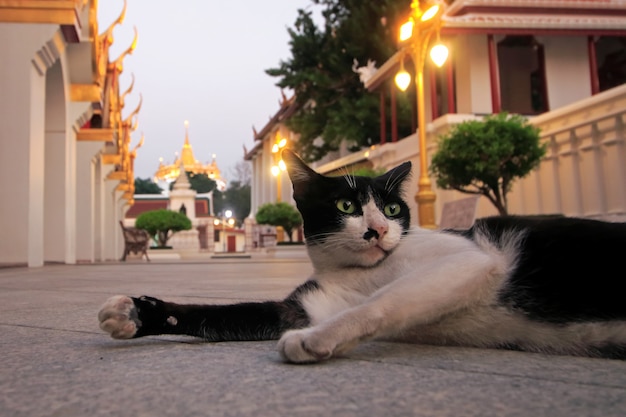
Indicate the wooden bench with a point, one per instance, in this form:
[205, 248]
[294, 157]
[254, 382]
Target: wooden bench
[135, 241]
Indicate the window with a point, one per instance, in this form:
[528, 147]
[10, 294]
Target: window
[611, 61]
[521, 67]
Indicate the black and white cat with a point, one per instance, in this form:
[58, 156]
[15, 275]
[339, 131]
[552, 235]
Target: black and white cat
[553, 285]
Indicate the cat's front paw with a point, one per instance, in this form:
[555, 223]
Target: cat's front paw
[305, 346]
[118, 317]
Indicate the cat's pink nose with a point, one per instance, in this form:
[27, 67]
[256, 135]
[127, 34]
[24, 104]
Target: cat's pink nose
[377, 231]
[381, 229]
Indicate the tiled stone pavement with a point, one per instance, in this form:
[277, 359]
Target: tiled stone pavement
[55, 361]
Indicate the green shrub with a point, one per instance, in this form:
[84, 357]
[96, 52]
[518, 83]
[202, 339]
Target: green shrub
[484, 157]
[162, 224]
[279, 214]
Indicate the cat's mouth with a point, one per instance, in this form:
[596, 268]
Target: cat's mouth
[375, 253]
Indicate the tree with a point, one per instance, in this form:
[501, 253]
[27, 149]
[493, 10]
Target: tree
[242, 172]
[332, 103]
[279, 214]
[146, 186]
[369, 172]
[484, 157]
[201, 183]
[237, 197]
[162, 224]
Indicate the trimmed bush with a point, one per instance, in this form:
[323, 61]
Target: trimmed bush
[162, 224]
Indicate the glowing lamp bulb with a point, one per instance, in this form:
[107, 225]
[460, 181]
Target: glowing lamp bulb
[275, 170]
[402, 79]
[430, 13]
[406, 30]
[439, 54]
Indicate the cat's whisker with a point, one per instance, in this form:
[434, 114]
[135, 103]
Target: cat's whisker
[349, 177]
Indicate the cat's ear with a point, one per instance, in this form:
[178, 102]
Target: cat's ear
[395, 177]
[299, 172]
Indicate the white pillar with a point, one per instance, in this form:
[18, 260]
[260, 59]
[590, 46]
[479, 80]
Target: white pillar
[86, 161]
[22, 120]
[60, 172]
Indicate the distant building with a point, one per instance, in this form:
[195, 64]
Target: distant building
[187, 158]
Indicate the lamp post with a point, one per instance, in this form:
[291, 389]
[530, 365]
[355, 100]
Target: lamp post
[415, 36]
[277, 171]
[279, 165]
[227, 217]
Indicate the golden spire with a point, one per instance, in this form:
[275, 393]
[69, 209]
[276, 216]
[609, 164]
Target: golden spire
[187, 157]
[188, 161]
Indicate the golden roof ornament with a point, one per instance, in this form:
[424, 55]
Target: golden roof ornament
[118, 63]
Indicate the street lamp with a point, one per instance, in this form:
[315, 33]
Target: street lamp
[279, 165]
[226, 217]
[415, 36]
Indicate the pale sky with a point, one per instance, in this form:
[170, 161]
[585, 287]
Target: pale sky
[201, 61]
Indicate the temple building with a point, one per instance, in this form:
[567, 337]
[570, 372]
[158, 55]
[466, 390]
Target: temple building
[187, 159]
[560, 63]
[66, 151]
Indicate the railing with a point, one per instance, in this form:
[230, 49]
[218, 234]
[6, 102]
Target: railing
[583, 173]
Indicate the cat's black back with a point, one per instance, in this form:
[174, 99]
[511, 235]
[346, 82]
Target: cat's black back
[569, 269]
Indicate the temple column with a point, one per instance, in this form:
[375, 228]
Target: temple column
[109, 217]
[86, 189]
[22, 122]
[60, 172]
[99, 212]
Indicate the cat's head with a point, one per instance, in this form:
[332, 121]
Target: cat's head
[349, 220]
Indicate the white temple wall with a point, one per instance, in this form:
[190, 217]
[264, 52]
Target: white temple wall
[566, 86]
[473, 88]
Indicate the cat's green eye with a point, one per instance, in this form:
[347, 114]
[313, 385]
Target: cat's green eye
[392, 209]
[345, 206]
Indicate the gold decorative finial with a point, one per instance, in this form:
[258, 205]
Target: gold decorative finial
[140, 144]
[107, 35]
[127, 121]
[118, 62]
[127, 92]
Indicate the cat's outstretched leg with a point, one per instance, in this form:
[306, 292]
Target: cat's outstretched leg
[115, 317]
[128, 317]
